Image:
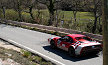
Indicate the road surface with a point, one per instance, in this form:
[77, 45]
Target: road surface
[37, 41]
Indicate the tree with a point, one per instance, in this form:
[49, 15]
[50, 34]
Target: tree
[3, 7]
[77, 5]
[17, 6]
[105, 32]
[97, 12]
[50, 5]
[30, 4]
[66, 5]
[72, 5]
[94, 6]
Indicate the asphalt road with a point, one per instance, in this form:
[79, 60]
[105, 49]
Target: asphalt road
[38, 41]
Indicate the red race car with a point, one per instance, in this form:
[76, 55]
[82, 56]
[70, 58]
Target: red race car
[76, 44]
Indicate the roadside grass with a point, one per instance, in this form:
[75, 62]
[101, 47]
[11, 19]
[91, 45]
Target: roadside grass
[80, 15]
[35, 58]
[24, 57]
[2, 54]
[25, 53]
[16, 56]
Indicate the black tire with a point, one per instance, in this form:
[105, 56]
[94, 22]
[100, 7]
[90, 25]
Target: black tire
[71, 52]
[52, 44]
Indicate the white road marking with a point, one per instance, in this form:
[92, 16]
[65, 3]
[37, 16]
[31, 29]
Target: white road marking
[36, 52]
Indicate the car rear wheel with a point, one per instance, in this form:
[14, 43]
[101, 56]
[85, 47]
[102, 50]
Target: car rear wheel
[71, 52]
[52, 44]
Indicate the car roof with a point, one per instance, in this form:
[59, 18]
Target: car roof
[75, 35]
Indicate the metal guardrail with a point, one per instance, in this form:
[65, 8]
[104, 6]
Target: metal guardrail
[70, 31]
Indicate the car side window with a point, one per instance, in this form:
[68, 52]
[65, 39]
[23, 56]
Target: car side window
[70, 40]
[67, 39]
[64, 38]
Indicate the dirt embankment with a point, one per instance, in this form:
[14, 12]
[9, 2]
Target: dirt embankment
[10, 55]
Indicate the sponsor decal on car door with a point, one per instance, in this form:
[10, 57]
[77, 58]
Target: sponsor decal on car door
[61, 45]
[65, 46]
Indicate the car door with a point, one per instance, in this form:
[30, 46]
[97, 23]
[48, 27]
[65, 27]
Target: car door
[65, 44]
[60, 42]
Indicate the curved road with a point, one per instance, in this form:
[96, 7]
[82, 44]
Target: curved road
[37, 41]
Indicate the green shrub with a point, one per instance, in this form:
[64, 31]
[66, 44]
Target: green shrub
[11, 14]
[37, 59]
[26, 53]
[26, 17]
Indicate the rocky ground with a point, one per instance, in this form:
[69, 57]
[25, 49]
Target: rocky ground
[4, 56]
[10, 55]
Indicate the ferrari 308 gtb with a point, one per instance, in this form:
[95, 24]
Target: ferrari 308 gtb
[76, 44]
